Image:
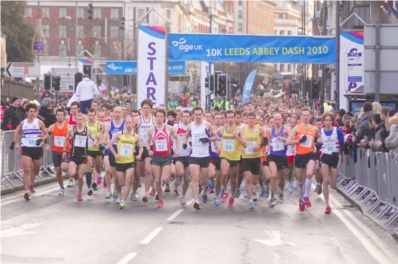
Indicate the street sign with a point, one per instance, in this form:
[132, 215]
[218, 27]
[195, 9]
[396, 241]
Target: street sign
[67, 78]
[23, 69]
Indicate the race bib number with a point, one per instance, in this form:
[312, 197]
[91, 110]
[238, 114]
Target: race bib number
[90, 142]
[59, 141]
[30, 140]
[229, 145]
[308, 142]
[249, 148]
[161, 144]
[80, 141]
[278, 145]
[126, 150]
[330, 147]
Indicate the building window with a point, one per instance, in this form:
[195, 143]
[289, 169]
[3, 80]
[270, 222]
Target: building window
[62, 50]
[80, 12]
[240, 2]
[46, 30]
[240, 27]
[240, 14]
[114, 32]
[168, 14]
[289, 32]
[28, 11]
[97, 31]
[80, 31]
[45, 11]
[282, 67]
[47, 50]
[289, 68]
[282, 32]
[62, 31]
[62, 12]
[97, 12]
[79, 49]
[115, 13]
[140, 12]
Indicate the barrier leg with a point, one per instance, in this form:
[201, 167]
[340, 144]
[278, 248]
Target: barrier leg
[350, 184]
[374, 206]
[392, 219]
[362, 193]
[353, 188]
[370, 195]
[384, 211]
[340, 180]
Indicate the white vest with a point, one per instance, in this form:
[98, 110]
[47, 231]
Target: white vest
[143, 129]
[330, 144]
[180, 128]
[199, 150]
[30, 133]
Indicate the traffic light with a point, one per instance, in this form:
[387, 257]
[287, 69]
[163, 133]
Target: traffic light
[315, 91]
[57, 83]
[216, 73]
[207, 82]
[222, 84]
[90, 12]
[211, 82]
[125, 80]
[47, 81]
[87, 70]
[78, 78]
[122, 21]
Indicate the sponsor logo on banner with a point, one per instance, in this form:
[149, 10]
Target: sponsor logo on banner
[152, 63]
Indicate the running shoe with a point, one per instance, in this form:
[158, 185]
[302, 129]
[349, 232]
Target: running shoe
[145, 199]
[182, 200]
[301, 205]
[105, 184]
[231, 202]
[90, 191]
[31, 189]
[119, 198]
[262, 193]
[251, 205]
[243, 185]
[160, 204]
[122, 205]
[115, 194]
[319, 191]
[99, 180]
[196, 206]
[307, 202]
[167, 188]
[94, 185]
[316, 188]
[204, 198]
[210, 190]
[216, 201]
[79, 197]
[281, 196]
[295, 183]
[274, 201]
[152, 192]
[237, 193]
[211, 184]
[328, 210]
[266, 191]
[108, 195]
[176, 193]
[26, 196]
[71, 183]
[290, 186]
[224, 197]
[254, 197]
[61, 191]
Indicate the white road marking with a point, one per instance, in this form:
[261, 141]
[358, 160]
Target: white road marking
[275, 239]
[190, 201]
[371, 246]
[171, 218]
[18, 231]
[151, 236]
[127, 258]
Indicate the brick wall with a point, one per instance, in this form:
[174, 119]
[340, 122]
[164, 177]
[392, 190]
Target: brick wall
[22, 90]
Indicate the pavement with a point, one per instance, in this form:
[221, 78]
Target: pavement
[59, 229]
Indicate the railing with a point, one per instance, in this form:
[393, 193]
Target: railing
[374, 177]
[11, 162]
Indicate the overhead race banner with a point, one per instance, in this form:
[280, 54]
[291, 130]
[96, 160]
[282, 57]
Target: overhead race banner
[352, 63]
[247, 89]
[151, 58]
[130, 67]
[243, 48]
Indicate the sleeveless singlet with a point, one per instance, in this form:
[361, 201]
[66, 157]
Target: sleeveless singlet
[161, 141]
[114, 130]
[30, 133]
[230, 146]
[96, 132]
[278, 147]
[58, 137]
[143, 129]
[253, 138]
[181, 131]
[330, 143]
[199, 150]
[125, 148]
[79, 143]
[307, 146]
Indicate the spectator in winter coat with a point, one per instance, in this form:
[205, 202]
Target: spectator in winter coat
[14, 115]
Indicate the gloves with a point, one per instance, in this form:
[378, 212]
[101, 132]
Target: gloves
[12, 146]
[101, 147]
[38, 142]
[204, 140]
[184, 146]
[303, 139]
[318, 146]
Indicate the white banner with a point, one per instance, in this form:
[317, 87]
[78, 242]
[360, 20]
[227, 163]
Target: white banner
[67, 78]
[151, 79]
[205, 70]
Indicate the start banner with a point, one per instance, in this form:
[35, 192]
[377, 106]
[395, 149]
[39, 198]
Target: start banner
[249, 48]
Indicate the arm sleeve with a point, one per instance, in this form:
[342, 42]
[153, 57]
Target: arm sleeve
[340, 135]
[74, 98]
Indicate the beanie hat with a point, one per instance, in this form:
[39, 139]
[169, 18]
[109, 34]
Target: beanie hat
[46, 102]
[14, 99]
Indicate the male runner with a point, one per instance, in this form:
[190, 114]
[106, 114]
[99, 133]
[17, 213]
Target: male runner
[333, 139]
[214, 166]
[78, 155]
[199, 160]
[182, 161]
[303, 136]
[231, 142]
[58, 131]
[318, 174]
[160, 151]
[33, 133]
[290, 153]
[95, 105]
[126, 141]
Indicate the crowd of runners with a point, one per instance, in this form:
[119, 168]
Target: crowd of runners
[229, 153]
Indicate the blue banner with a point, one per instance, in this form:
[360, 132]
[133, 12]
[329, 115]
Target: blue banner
[130, 67]
[249, 48]
[247, 89]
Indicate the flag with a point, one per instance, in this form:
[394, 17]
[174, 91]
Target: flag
[247, 89]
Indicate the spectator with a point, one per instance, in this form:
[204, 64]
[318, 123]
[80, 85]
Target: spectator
[24, 103]
[339, 122]
[6, 103]
[380, 134]
[86, 90]
[45, 114]
[376, 107]
[391, 141]
[14, 115]
[363, 129]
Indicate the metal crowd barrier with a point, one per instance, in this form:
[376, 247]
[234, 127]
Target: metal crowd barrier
[373, 177]
[11, 162]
